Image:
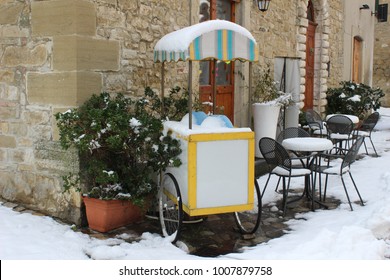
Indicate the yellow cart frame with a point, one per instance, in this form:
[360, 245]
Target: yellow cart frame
[194, 187]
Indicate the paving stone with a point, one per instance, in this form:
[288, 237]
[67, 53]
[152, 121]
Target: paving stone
[207, 233]
[27, 211]
[10, 205]
[19, 208]
[224, 236]
[212, 218]
[270, 220]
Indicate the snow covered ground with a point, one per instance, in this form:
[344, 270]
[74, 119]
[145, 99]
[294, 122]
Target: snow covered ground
[363, 234]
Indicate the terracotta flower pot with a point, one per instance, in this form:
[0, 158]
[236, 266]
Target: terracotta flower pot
[106, 215]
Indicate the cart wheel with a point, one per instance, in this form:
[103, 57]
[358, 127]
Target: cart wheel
[170, 207]
[249, 221]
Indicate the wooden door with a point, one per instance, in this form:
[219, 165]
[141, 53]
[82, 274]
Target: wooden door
[217, 73]
[310, 54]
[357, 54]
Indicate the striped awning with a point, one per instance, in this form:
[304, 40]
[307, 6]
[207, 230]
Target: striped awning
[213, 39]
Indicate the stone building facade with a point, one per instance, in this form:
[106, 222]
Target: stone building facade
[54, 54]
[381, 75]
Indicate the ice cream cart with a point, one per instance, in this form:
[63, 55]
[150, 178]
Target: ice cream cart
[217, 171]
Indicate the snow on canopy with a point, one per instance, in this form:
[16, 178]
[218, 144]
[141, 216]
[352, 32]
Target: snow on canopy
[212, 39]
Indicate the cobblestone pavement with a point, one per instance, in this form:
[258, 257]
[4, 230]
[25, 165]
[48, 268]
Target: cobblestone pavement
[218, 234]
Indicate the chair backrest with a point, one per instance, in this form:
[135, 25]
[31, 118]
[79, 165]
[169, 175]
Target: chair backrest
[274, 154]
[370, 122]
[339, 124]
[313, 119]
[292, 132]
[352, 153]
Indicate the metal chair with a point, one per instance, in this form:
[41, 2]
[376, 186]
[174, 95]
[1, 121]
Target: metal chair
[340, 129]
[279, 163]
[291, 132]
[366, 129]
[315, 123]
[339, 169]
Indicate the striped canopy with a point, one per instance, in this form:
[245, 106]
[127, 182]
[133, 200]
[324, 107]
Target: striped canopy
[212, 39]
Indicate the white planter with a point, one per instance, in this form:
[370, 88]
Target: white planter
[265, 120]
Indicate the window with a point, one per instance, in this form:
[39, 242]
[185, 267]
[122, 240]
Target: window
[310, 11]
[382, 12]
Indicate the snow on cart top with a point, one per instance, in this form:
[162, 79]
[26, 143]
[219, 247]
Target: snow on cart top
[212, 39]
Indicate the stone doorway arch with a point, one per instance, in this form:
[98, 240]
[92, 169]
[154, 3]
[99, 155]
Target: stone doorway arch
[321, 50]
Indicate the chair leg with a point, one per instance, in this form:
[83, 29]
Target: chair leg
[277, 185]
[373, 146]
[346, 192]
[285, 193]
[326, 186]
[365, 146]
[266, 184]
[354, 184]
[313, 191]
[346, 145]
[319, 184]
[313, 178]
[322, 198]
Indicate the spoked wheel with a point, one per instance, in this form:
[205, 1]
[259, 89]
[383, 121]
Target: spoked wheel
[170, 207]
[249, 221]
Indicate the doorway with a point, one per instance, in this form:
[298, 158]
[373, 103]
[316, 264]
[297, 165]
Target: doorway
[310, 57]
[217, 76]
[357, 57]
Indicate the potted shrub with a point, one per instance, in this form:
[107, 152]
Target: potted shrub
[121, 148]
[266, 104]
[353, 99]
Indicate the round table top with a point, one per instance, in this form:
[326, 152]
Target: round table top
[307, 144]
[353, 118]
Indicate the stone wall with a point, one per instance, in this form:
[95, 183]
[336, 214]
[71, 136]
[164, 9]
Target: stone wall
[381, 75]
[336, 50]
[275, 32]
[31, 85]
[138, 25]
[279, 35]
[54, 54]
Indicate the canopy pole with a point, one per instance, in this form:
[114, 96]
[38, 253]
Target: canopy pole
[190, 95]
[250, 94]
[162, 87]
[215, 87]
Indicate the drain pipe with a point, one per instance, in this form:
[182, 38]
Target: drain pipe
[190, 12]
[320, 70]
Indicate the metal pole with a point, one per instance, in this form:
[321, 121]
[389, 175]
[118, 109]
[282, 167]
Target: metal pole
[215, 87]
[162, 87]
[250, 95]
[284, 90]
[190, 95]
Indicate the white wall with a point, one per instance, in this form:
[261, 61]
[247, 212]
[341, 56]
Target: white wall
[359, 22]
